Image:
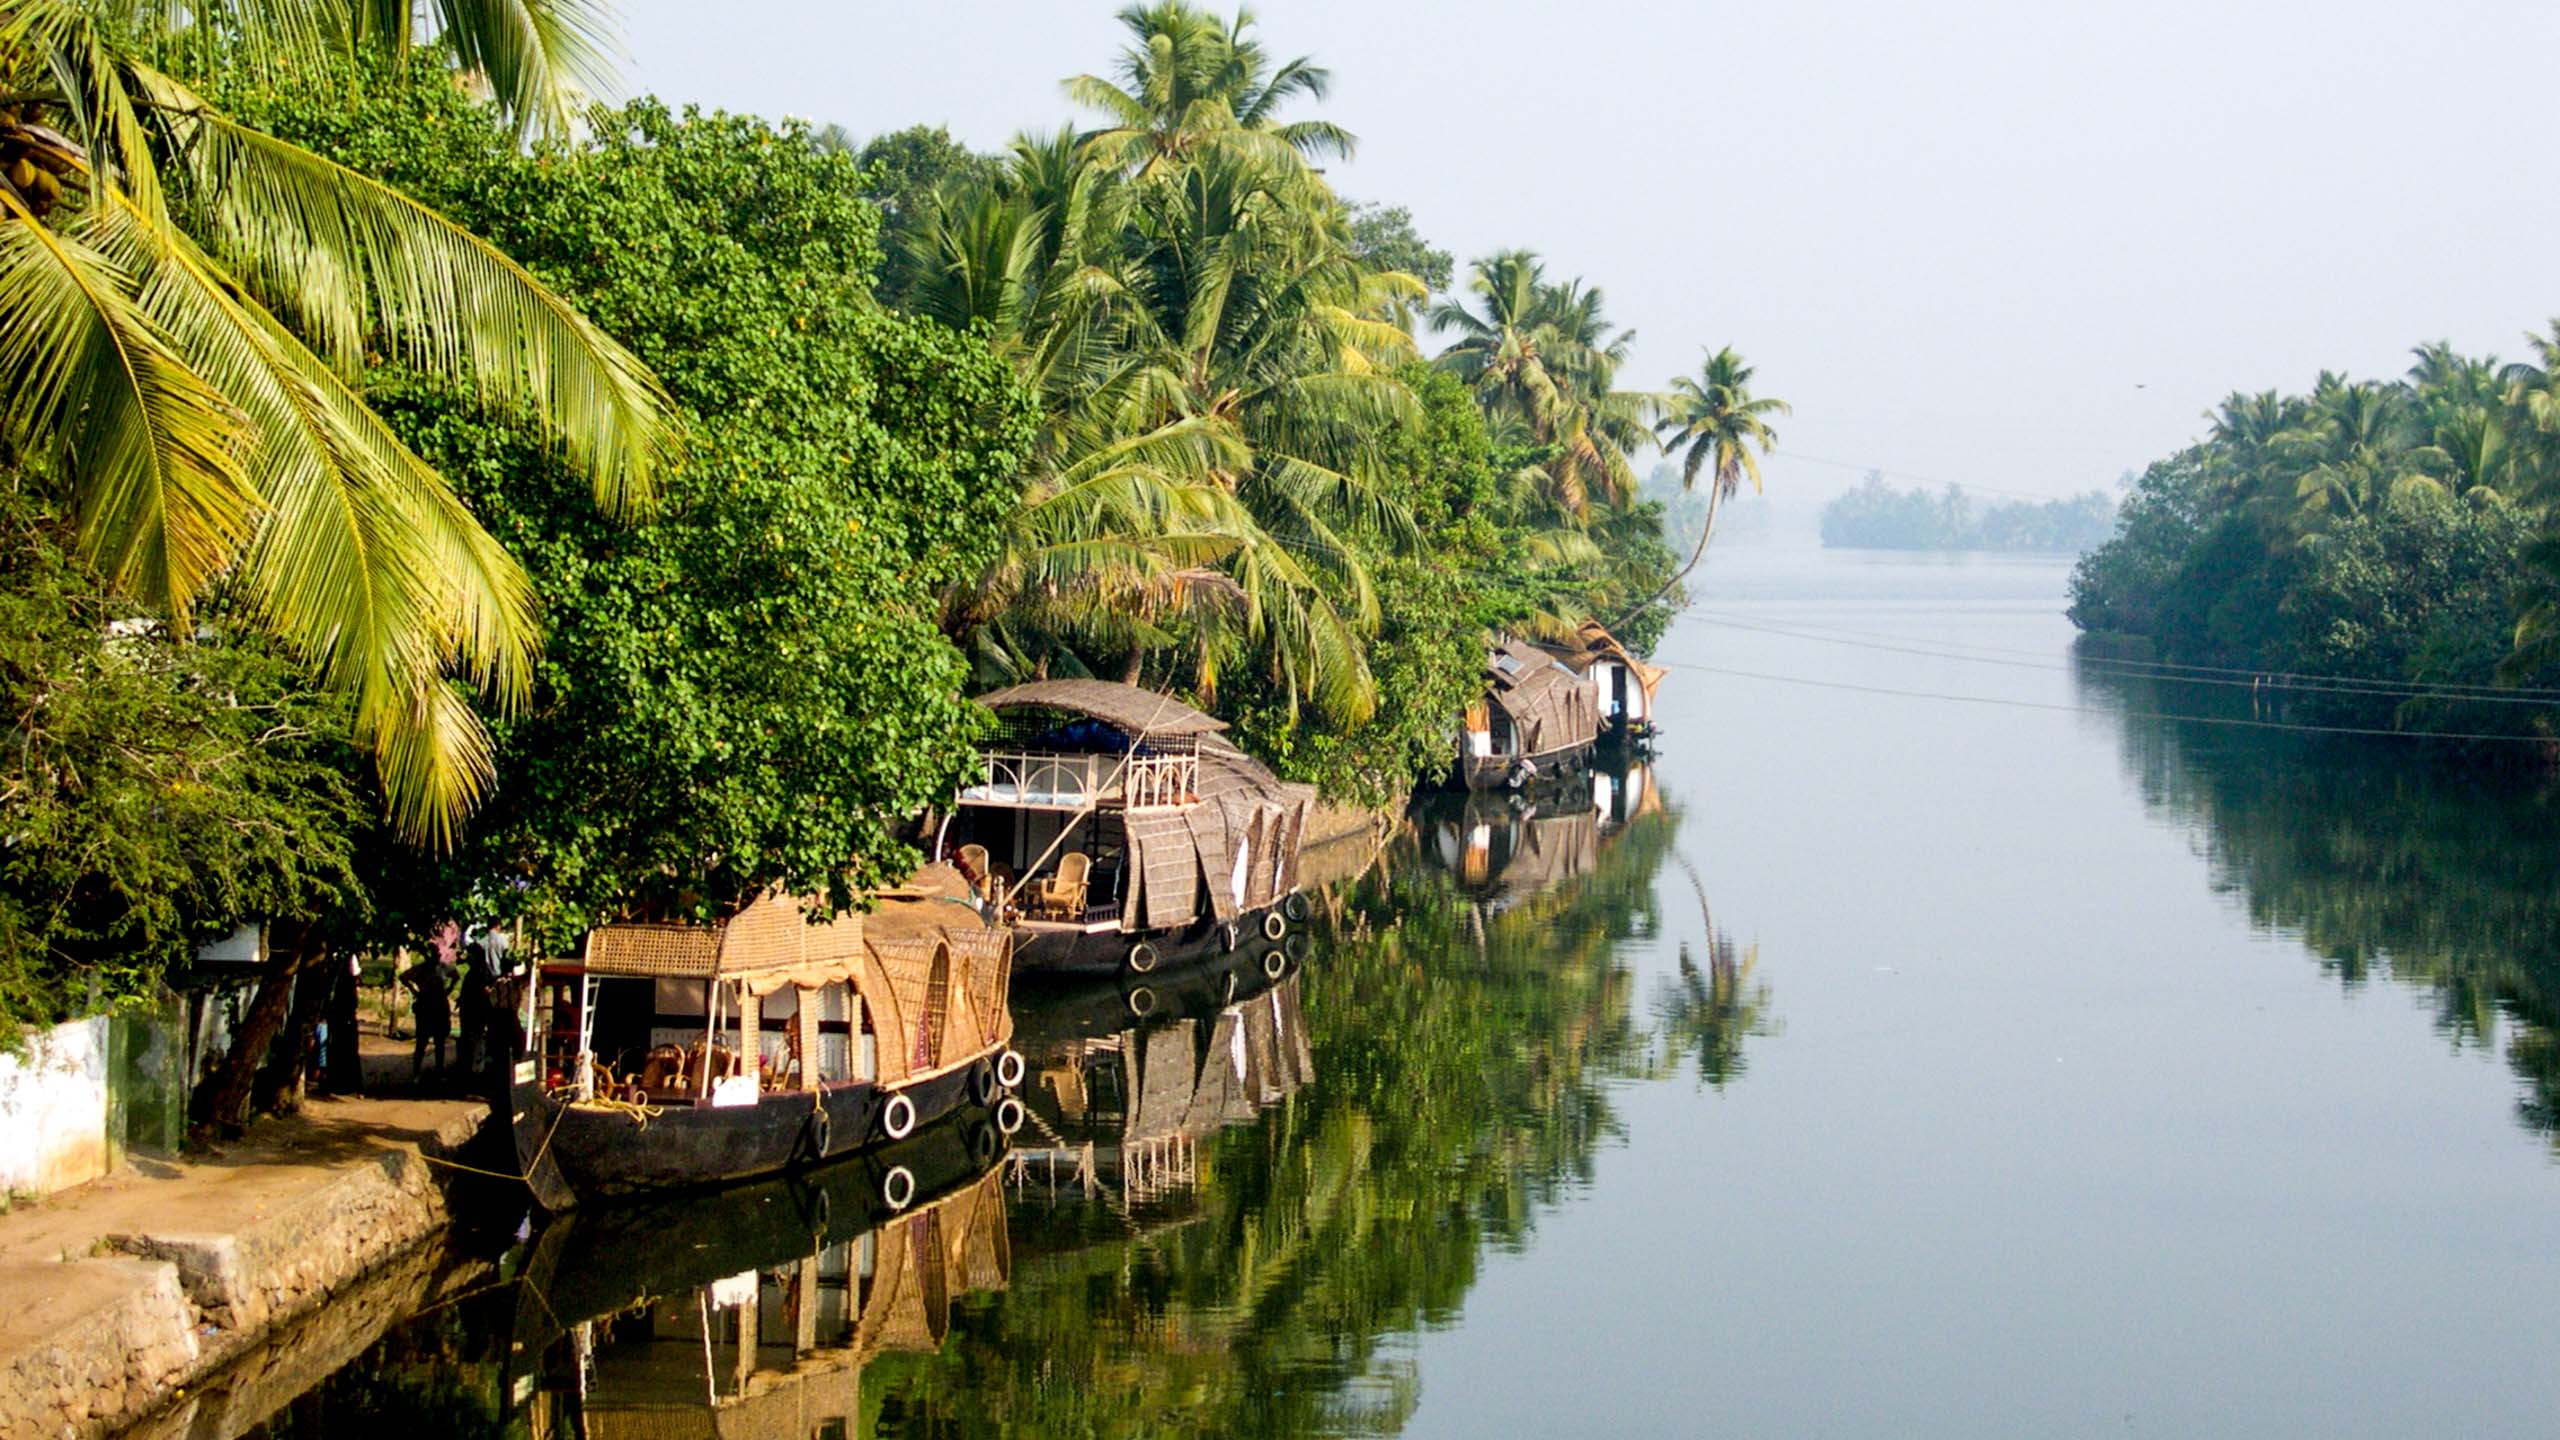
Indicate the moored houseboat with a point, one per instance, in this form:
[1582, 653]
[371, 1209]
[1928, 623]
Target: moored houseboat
[681, 1054]
[1622, 687]
[1537, 720]
[1118, 830]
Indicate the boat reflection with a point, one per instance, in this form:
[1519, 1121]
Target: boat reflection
[1507, 846]
[752, 1311]
[1127, 1081]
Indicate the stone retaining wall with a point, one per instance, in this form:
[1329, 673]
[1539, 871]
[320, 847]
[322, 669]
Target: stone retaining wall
[173, 1307]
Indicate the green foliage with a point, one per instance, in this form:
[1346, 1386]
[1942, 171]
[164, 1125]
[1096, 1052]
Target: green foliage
[184, 300]
[2395, 533]
[750, 689]
[1488, 560]
[903, 173]
[1384, 238]
[1876, 516]
[154, 794]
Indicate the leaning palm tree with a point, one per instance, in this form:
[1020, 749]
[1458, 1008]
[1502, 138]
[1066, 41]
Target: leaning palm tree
[185, 305]
[1714, 424]
[1189, 82]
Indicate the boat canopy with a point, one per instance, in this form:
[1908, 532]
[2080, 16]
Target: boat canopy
[930, 968]
[1134, 712]
[1550, 706]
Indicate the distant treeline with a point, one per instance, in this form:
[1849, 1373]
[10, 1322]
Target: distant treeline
[1875, 516]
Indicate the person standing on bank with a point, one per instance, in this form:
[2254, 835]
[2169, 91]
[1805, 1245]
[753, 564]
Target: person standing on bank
[343, 1061]
[484, 964]
[429, 981]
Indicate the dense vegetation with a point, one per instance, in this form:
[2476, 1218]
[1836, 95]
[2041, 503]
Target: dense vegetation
[466, 562]
[1876, 516]
[2384, 549]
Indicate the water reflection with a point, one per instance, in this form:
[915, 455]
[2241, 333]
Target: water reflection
[1453, 1084]
[1505, 846]
[1125, 1083]
[1242, 1190]
[750, 1311]
[2382, 863]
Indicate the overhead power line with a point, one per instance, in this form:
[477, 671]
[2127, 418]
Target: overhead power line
[2375, 732]
[2144, 670]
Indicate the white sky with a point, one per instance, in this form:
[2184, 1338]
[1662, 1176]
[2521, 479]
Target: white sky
[2016, 243]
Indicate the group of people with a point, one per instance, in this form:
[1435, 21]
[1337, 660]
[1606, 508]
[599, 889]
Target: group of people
[473, 962]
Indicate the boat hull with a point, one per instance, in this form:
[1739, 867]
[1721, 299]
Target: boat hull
[568, 1153]
[1494, 772]
[1039, 951]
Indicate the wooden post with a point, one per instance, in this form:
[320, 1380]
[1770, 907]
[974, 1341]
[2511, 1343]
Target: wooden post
[751, 1033]
[710, 1038]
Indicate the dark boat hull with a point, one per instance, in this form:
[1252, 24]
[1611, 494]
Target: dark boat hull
[1110, 952]
[569, 1153]
[1495, 772]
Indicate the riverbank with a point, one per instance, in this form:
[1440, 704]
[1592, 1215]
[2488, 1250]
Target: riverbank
[125, 1292]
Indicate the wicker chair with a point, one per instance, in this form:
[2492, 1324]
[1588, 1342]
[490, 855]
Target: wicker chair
[1062, 895]
[973, 858]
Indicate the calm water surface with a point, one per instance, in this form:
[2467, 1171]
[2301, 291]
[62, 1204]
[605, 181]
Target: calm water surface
[1877, 1065]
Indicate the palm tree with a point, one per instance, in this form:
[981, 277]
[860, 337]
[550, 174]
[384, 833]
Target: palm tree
[1714, 424]
[184, 305]
[1188, 83]
[1543, 362]
[1214, 365]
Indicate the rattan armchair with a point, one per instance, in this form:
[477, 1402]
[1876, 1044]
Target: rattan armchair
[1062, 895]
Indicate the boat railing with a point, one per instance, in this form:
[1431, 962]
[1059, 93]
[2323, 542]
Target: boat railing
[1053, 780]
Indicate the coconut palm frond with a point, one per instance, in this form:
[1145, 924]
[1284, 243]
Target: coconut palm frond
[350, 261]
[91, 382]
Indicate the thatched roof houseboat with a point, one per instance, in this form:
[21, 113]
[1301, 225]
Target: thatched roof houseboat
[1622, 686]
[680, 1054]
[1115, 829]
[1536, 719]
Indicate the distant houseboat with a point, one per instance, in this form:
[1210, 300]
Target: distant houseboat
[1537, 720]
[677, 1054]
[1622, 687]
[1115, 829]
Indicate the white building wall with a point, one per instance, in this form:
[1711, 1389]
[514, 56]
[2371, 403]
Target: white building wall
[53, 1109]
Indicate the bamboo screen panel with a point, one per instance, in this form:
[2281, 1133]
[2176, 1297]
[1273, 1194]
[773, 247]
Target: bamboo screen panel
[670, 951]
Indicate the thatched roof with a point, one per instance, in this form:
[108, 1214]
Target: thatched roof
[1550, 704]
[1133, 711]
[1593, 643]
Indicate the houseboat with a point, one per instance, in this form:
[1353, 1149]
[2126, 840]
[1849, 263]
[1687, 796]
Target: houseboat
[755, 1310]
[1537, 721]
[680, 1054]
[1115, 830]
[1622, 687]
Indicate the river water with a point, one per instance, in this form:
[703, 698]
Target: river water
[1974, 1052]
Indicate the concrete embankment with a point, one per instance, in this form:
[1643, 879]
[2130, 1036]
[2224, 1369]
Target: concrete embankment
[117, 1297]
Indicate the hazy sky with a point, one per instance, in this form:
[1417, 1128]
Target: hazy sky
[2020, 245]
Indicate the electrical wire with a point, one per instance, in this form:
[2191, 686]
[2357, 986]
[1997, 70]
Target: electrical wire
[2375, 732]
[2139, 670]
